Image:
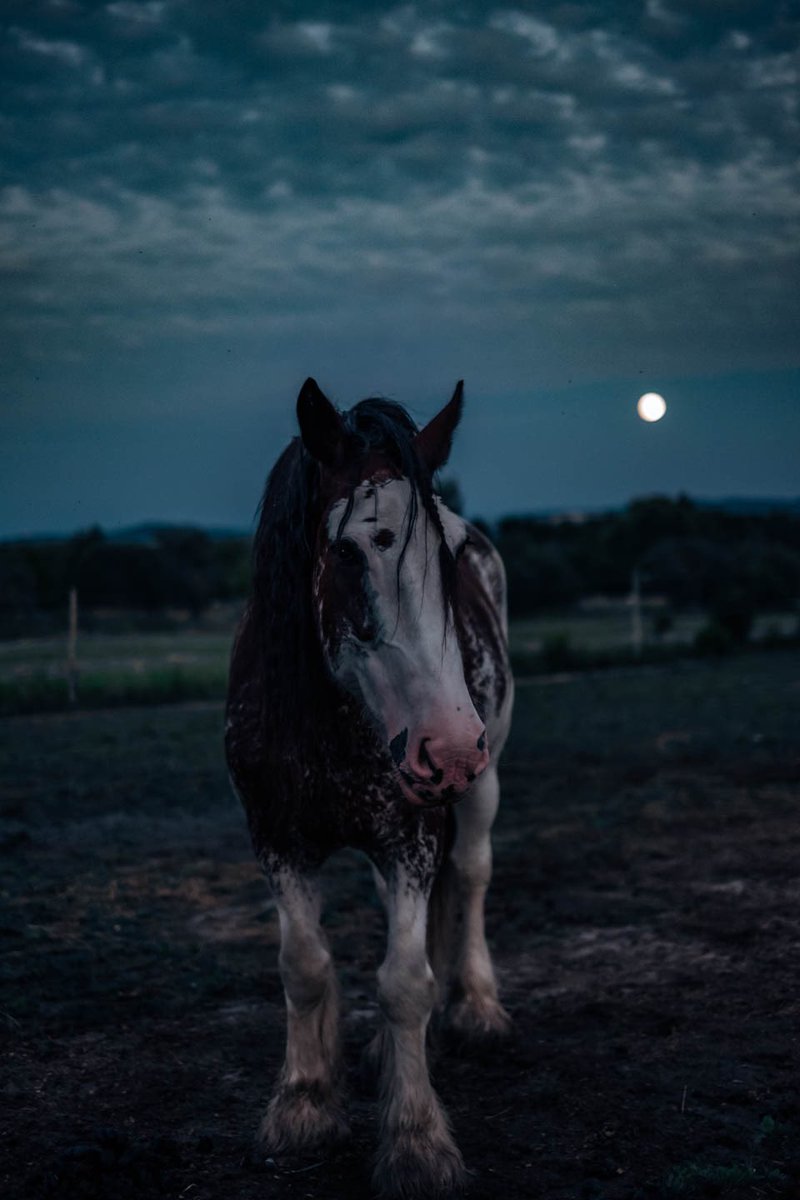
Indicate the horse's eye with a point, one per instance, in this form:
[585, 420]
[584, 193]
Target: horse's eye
[460, 549]
[345, 550]
[383, 539]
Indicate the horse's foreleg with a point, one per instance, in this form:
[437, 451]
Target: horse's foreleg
[304, 1110]
[475, 1009]
[417, 1156]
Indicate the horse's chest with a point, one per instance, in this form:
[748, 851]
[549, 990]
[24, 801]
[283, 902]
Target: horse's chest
[359, 804]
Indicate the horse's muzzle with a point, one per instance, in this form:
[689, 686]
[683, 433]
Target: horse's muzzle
[434, 771]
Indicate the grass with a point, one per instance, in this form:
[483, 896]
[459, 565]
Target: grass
[606, 634]
[708, 1179]
[129, 651]
[108, 689]
[753, 1175]
[161, 667]
[113, 670]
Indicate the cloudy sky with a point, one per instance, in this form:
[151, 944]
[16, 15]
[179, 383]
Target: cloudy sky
[567, 204]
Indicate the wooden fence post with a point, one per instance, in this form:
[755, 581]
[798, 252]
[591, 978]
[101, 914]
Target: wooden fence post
[637, 632]
[72, 648]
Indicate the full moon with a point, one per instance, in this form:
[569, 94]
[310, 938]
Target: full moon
[651, 406]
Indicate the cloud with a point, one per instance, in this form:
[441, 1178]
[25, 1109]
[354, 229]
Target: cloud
[541, 37]
[190, 168]
[303, 38]
[138, 12]
[69, 54]
[430, 42]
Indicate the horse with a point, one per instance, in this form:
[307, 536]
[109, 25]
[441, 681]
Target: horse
[369, 698]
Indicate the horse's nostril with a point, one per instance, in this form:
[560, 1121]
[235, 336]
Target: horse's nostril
[434, 773]
[397, 746]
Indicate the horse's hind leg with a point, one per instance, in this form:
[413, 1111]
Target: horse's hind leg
[417, 1156]
[304, 1110]
[475, 1009]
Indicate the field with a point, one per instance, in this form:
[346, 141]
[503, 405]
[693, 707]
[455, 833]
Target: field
[191, 663]
[114, 669]
[608, 628]
[645, 916]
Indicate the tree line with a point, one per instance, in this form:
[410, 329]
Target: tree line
[162, 568]
[691, 555]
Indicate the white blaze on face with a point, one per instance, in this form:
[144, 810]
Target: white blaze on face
[411, 676]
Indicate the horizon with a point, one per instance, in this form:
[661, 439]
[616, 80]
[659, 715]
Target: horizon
[736, 505]
[720, 438]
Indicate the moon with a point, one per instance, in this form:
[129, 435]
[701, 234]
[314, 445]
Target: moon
[651, 406]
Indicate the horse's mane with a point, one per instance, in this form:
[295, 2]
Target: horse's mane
[298, 694]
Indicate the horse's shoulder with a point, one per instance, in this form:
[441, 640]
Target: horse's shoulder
[485, 573]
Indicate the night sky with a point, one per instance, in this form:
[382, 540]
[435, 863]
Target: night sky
[566, 204]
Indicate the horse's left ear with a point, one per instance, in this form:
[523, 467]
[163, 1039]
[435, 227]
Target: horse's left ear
[320, 425]
[434, 442]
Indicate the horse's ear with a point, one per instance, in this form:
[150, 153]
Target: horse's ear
[320, 425]
[433, 443]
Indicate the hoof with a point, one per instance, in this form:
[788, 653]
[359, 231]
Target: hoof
[418, 1163]
[478, 1019]
[302, 1117]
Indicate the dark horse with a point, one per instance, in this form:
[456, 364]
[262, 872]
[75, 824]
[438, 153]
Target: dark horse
[369, 692]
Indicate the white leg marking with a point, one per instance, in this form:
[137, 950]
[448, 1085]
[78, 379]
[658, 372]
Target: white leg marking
[304, 1110]
[417, 1156]
[380, 886]
[477, 1009]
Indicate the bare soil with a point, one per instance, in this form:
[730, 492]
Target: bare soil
[645, 917]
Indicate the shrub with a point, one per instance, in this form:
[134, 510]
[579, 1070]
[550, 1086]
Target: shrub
[712, 640]
[734, 611]
[557, 653]
[663, 622]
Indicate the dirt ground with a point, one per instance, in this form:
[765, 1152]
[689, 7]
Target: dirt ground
[645, 918]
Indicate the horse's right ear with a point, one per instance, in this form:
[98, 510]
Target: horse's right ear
[434, 441]
[320, 425]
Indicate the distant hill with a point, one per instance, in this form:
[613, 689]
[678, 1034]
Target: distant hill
[146, 533]
[750, 505]
[740, 506]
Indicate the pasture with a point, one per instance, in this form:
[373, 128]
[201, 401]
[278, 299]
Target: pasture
[191, 662]
[644, 914]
